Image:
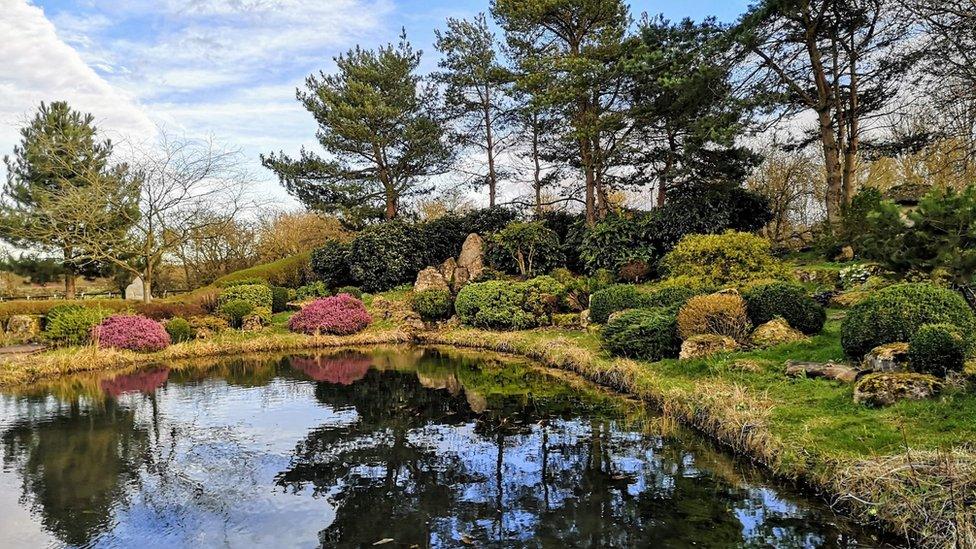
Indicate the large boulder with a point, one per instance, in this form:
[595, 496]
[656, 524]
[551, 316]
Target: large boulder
[701, 346]
[888, 358]
[472, 256]
[23, 328]
[887, 388]
[430, 279]
[775, 332]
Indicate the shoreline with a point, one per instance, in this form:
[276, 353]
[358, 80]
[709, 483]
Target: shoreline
[912, 495]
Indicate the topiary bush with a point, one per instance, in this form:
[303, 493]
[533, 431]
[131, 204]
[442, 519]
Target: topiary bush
[728, 258]
[937, 349]
[258, 295]
[790, 301]
[279, 298]
[387, 255]
[330, 263]
[724, 314]
[350, 290]
[131, 332]
[236, 311]
[312, 291]
[179, 330]
[507, 305]
[433, 304]
[615, 298]
[72, 324]
[337, 315]
[897, 312]
[646, 334]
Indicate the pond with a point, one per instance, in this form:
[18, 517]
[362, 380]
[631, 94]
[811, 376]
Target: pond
[401, 447]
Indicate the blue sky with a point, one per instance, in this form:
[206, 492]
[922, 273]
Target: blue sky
[221, 68]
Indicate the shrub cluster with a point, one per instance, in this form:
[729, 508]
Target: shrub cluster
[433, 304]
[615, 298]
[159, 310]
[727, 258]
[937, 349]
[313, 290]
[350, 290]
[646, 334]
[179, 330]
[338, 315]
[897, 312]
[330, 263]
[387, 255]
[790, 301]
[724, 314]
[525, 248]
[132, 332]
[258, 295]
[236, 311]
[280, 296]
[71, 324]
[506, 305]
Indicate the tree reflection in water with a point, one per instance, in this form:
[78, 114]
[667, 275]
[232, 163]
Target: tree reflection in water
[421, 446]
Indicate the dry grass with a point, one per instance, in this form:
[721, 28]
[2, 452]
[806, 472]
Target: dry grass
[724, 314]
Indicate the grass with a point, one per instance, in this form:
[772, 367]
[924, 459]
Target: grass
[910, 467]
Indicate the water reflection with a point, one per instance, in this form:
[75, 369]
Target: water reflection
[422, 447]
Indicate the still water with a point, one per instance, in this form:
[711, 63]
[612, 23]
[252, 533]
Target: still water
[399, 447]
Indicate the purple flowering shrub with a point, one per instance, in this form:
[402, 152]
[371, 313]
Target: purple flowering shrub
[132, 332]
[338, 315]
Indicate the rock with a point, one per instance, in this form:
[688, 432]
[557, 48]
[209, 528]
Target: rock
[585, 318]
[447, 269]
[252, 323]
[408, 319]
[461, 278]
[472, 256]
[701, 346]
[776, 332]
[888, 358]
[830, 370]
[430, 279]
[23, 328]
[846, 254]
[847, 300]
[887, 388]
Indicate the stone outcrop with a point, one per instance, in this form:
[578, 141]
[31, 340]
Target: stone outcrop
[430, 279]
[888, 388]
[701, 346]
[775, 332]
[472, 257]
[23, 328]
[888, 358]
[829, 370]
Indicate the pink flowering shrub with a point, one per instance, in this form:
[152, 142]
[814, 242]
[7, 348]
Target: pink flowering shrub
[132, 332]
[339, 315]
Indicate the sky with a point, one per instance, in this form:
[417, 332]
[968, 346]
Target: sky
[225, 69]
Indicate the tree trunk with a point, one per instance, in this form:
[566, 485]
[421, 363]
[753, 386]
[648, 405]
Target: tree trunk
[828, 137]
[537, 168]
[69, 285]
[587, 161]
[490, 143]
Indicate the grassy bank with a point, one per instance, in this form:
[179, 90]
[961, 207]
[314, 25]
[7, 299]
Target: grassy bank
[911, 466]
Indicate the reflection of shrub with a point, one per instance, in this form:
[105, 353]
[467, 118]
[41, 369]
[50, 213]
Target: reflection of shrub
[132, 332]
[258, 295]
[729, 258]
[279, 299]
[896, 313]
[507, 305]
[722, 314]
[937, 349]
[179, 330]
[790, 301]
[343, 369]
[236, 311]
[433, 304]
[338, 315]
[72, 324]
[649, 334]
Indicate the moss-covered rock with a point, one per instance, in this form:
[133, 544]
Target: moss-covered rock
[888, 388]
[887, 358]
[705, 345]
[775, 332]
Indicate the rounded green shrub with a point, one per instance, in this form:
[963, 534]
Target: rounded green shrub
[179, 330]
[279, 298]
[790, 301]
[727, 258]
[615, 298]
[258, 295]
[897, 312]
[433, 304]
[387, 255]
[507, 305]
[236, 311]
[646, 334]
[350, 290]
[72, 324]
[937, 349]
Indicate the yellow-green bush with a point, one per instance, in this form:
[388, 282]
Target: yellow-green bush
[723, 314]
[730, 258]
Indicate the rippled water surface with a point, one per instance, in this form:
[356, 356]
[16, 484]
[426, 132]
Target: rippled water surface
[402, 447]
